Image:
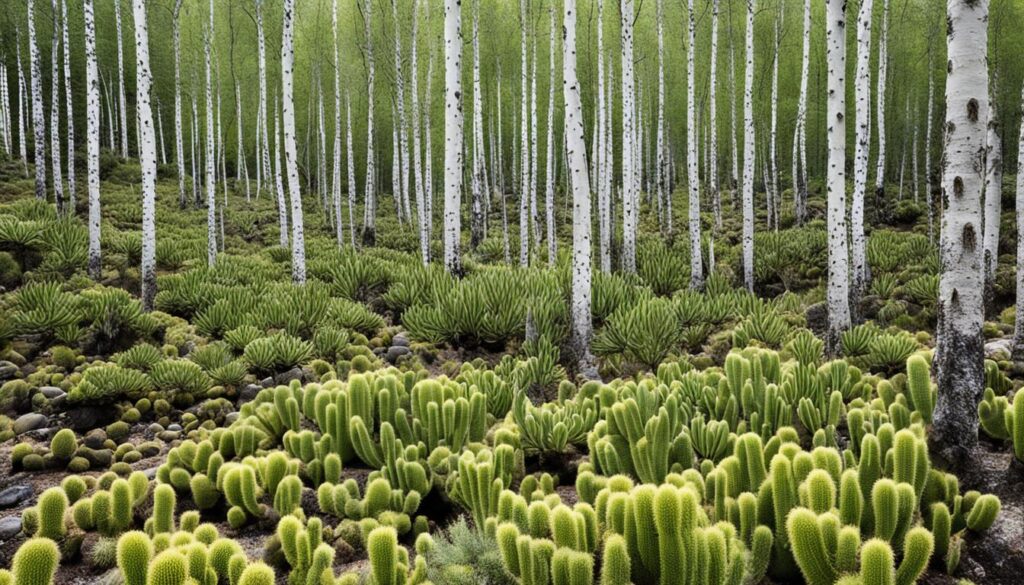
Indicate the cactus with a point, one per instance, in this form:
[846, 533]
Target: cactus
[164, 503]
[920, 387]
[303, 549]
[810, 548]
[1014, 421]
[257, 573]
[51, 507]
[480, 479]
[63, 445]
[240, 489]
[382, 548]
[204, 491]
[876, 563]
[983, 513]
[917, 551]
[885, 505]
[35, 562]
[615, 568]
[569, 567]
[134, 551]
[170, 567]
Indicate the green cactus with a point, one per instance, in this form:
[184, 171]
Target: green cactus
[63, 445]
[53, 503]
[164, 504]
[615, 567]
[920, 387]
[241, 490]
[35, 562]
[480, 479]
[885, 505]
[1015, 422]
[995, 415]
[810, 548]
[876, 563]
[570, 567]
[257, 573]
[204, 491]
[382, 548]
[134, 551]
[917, 551]
[170, 567]
[983, 513]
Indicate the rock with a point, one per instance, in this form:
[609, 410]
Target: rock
[998, 551]
[28, 369]
[15, 495]
[84, 418]
[97, 458]
[7, 370]
[292, 374]
[151, 472]
[231, 417]
[400, 340]
[248, 392]
[168, 436]
[51, 392]
[42, 435]
[395, 352]
[95, 438]
[999, 346]
[10, 527]
[174, 427]
[267, 382]
[29, 422]
[817, 318]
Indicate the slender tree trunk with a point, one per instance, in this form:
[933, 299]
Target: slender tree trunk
[147, 154]
[453, 163]
[339, 233]
[282, 205]
[370, 204]
[549, 194]
[660, 138]
[22, 116]
[160, 128]
[534, 229]
[417, 152]
[194, 139]
[477, 182]
[403, 136]
[716, 196]
[123, 111]
[240, 151]
[732, 105]
[577, 150]
[179, 156]
[92, 138]
[883, 67]
[262, 126]
[211, 184]
[290, 154]
[696, 257]
[351, 171]
[428, 181]
[603, 193]
[862, 151]
[5, 118]
[749, 154]
[501, 176]
[524, 148]
[959, 360]
[928, 167]
[69, 105]
[38, 115]
[993, 200]
[838, 293]
[1018, 330]
[629, 195]
[800, 131]
[773, 151]
[55, 146]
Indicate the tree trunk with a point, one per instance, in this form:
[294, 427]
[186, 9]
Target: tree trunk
[290, 154]
[716, 196]
[179, 155]
[453, 163]
[262, 125]
[147, 154]
[38, 116]
[403, 138]
[959, 361]
[339, 234]
[55, 146]
[417, 152]
[1018, 330]
[549, 176]
[370, 204]
[800, 132]
[122, 102]
[883, 67]
[211, 185]
[696, 257]
[603, 193]
[749, 154]
[524, 150]
[862, 150]
[629, 195]
[928, 168]
[577, 150]
[775, 193]
[351, 166]
[68, 104]
[534, 156]
[478, 189]
[282, 205]
[92, 138]
[838, 293]
[993, 200]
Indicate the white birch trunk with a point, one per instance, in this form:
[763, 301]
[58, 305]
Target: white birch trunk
[862, 150]
[660, 138]
[417, 154]
[477, 182]
[122, 102]
[240, 150]
[775, 194]
[38, 115]
[370, 204]
[577, 151]
[959, 359]
[211, 184]
[549, 175]
[838, 293]
[453, 163]
[993, 197]
[55, 143]
[68, 104]
[716, 196]
[696, 257]
[179, 151]
[928, 169]
[262, 126]
[603, 193]
[282, 204]
[22, 104]
[534, 156]
[339, 233]
[160, 127]
[883, 67]
[735, 159]
[800, 132]
[1018, 330]
[351, 171]
[92, 138]
[524, 146]
[290, 153]
[403, 137]
[629, 195]
[428, 165]
[749, 154]
[147, 154]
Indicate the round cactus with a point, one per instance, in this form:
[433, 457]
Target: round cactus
[63, 444]
[257, 573]
[35, 562]
[168, 568]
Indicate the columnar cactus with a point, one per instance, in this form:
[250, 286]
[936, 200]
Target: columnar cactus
[917, 551]
[876, 563]
[134, 551]
[51, 507]
[164, 503]
[168, 568]
[810, 548]
[919, 387]
[35, 562]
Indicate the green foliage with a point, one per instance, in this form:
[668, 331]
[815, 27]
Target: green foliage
[104, 384]
[277, 353]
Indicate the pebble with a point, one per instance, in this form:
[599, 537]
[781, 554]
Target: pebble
[15, 495]
[51, 392]
[10, 527]
[7, 370]
[395, 352]
[95, 438]
[29, 422]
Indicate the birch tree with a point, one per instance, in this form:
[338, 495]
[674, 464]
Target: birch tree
[478, 192]
[578, 180]
[838, 293]
[403, 138]
[55, 146]
[716, 196]
[696, 260]
[122, 102]
[351, 169]
[928, 169]
[211, 186]
[1018, 330]
[370, 203]
[336, 160]
[603, 193]
[179, 154]
[524, 150]
[629, 195]
[775, 198]
[862, 150]
[262, 127]
[453, 163]
[38, 116]
[749, 154]
[282, 205]
[22, 121]
[147, 154]
[290, 151]
[92, 138]
[421, 212]
[549, 175]
[800, 130]
[68, 104]
[883, 67]
[959, 358]
[993, 198]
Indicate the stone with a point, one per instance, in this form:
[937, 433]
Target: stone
[7, 370]
[97, 458]
[817, 318]
[168, 436]
[999, 346]
[29, 422]
[95, 438]
[15, 495]
[248, 392]
[395, 352]
[292, 374]
[10, 527]
[400, 340]
[174, 427]
[51, 392]
[84, 418]
[267, 382]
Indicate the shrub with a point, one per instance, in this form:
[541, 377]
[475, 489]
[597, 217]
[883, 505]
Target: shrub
[105, 384]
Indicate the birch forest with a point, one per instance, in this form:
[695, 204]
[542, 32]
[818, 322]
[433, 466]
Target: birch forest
[511, 292]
